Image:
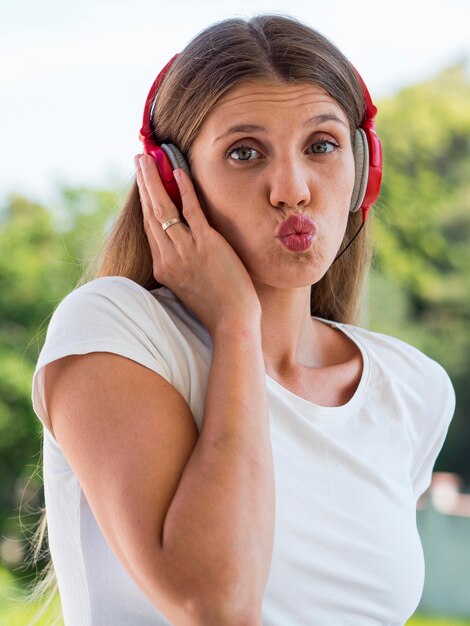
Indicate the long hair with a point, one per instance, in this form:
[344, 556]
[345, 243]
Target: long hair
[221, 57]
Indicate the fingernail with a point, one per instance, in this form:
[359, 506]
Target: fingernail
[136, 161]
[177, 175]
[144, 161]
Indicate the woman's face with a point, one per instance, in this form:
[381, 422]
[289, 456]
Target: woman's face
[268, 151]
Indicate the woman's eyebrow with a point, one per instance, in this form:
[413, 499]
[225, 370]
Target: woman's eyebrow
[249, 128]
[326, 117]
[241, 128]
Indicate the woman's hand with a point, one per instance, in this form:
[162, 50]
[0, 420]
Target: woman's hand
[194, 261]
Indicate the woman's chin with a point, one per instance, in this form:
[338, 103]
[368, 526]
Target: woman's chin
[289, 279]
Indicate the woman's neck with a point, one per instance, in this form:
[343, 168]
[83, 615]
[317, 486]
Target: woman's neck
[306, 355]
[288, 332]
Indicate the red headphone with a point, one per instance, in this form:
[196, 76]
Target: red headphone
[367, 152]
[373, 165]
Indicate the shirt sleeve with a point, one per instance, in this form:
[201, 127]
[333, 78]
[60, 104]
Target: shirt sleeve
[430, 432]
[110, 314]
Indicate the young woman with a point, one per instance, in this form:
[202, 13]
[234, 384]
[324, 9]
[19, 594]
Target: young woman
[221, 445]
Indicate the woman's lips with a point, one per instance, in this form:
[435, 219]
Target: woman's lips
[296, 233]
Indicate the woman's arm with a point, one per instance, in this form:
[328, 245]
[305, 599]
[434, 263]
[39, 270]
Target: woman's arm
[191, 517]
[222, 515]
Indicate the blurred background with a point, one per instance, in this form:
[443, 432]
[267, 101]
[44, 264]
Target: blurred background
[73, 85]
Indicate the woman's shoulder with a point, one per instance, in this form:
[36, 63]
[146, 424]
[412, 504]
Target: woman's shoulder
[111, 314]
[117, 297]
[115, 314]
[115, 288]
[405, 366]
[392, 350]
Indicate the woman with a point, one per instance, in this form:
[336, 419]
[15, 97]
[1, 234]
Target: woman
[221, 445]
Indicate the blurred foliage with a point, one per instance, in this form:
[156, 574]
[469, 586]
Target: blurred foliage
[418, 289]
[421, 620]
[17, 609]
[43, 254]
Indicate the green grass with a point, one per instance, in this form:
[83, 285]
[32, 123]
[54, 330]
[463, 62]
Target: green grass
[15, 612]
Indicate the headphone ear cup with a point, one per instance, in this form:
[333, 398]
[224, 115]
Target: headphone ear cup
[361, 160]
[165, 170]
[176, 157]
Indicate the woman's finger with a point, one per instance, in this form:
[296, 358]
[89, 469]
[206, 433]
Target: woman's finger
[162, 205]
[192, 210]
[152, 226]
[143, 193]
[154, 217]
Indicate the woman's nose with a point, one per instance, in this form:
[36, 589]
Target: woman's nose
[289, 187]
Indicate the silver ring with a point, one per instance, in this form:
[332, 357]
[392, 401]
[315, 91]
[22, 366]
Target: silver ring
[168, 223]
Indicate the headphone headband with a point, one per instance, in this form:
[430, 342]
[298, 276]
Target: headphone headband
[146, 131]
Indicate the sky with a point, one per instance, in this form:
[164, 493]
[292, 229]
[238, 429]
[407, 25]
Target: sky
[74, 75]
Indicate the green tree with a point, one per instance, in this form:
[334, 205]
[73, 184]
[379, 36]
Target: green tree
[419, 290]
[43, 253]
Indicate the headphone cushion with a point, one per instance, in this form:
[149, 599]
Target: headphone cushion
[176, 157]
[361, 160]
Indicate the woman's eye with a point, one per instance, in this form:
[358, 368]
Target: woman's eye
[322, 147]
[242, 153]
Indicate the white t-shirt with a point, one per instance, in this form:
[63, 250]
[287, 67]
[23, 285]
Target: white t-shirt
[346, 548]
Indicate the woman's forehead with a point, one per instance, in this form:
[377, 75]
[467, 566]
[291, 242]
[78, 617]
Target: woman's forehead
[263, 97]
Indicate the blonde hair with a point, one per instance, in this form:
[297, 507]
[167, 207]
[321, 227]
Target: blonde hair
[221, 57]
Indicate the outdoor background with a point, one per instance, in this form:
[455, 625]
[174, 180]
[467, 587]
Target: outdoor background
[73, 83]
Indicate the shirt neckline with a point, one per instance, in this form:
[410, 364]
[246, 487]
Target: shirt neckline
[302, 403]
[331, 411]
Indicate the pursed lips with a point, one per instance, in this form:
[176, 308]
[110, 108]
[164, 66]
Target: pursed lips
[296, 225]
